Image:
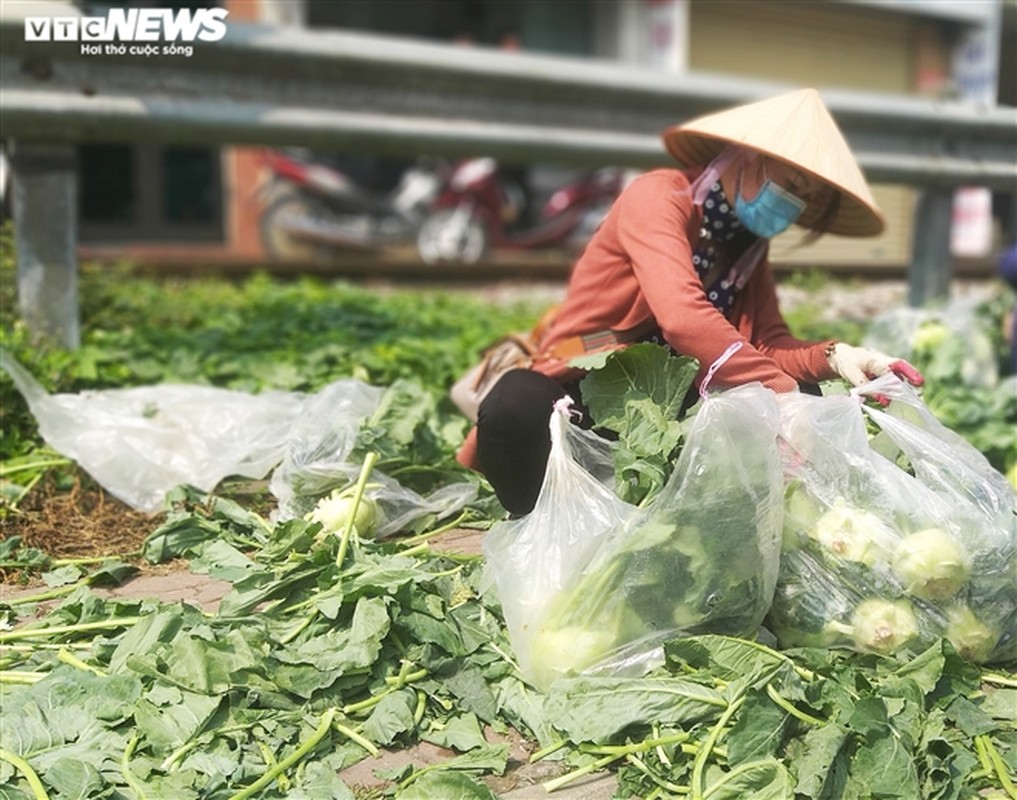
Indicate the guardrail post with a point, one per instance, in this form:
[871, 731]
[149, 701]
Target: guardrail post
[929, 272]
[45, 239]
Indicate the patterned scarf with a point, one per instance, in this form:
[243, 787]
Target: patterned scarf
[719, 227]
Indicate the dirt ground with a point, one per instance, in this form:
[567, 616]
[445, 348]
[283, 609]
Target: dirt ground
[80, 522]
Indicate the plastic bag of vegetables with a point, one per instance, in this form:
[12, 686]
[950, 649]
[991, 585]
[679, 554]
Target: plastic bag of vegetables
[326, 449]
[589, 583]
[896, 531]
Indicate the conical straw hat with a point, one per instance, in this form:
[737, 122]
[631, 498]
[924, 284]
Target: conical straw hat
[795, 128]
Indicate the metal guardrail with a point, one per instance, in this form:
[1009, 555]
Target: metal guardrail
[337, 90]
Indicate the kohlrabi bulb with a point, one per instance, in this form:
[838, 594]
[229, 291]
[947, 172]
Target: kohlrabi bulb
[932, 564]
[334, 511]
[852, 534]
[929, 336]
[971, 637]
[883, 625]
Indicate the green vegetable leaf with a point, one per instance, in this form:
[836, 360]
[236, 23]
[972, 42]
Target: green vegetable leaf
[765, 779]
[594, 709]
[447, 786]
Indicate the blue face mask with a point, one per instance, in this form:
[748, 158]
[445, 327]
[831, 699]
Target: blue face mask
[773, 210]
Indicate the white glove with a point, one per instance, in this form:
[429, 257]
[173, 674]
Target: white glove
[858, 365]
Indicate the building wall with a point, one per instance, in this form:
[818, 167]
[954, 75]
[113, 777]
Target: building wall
[828, 47]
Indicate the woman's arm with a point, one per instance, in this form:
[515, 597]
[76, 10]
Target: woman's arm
[803, 360]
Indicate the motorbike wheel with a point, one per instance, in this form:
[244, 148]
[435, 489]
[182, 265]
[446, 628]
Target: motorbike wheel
[281, 245]
[446, 237]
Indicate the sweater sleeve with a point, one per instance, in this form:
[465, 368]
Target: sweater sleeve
[652, 218]
[802, 360]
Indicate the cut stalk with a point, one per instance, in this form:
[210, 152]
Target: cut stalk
[563, 780]
[81, 562]
[125, 770]
[554, 747]
[270, 760]
[662, 783]
[998, 766]
[421, 707]
[999, 680]
[19, 677]
[699, 765]
[299, 628]
[423, 537]
[56, 630]
[306, 747]
[358, 493]
[638, 747]
[22, 766]
[353, 736]
[67, 657]
[49, 594]
[790, 708]
[6, 470]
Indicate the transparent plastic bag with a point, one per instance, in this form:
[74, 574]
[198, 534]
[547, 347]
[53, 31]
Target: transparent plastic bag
[589, 583]
[892, 540]
[951, 343]
[317, 460]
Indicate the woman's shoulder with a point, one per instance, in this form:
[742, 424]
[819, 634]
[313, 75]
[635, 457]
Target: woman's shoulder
[658, 188]
[661, 176]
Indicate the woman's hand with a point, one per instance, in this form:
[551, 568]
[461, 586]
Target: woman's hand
[858, 365]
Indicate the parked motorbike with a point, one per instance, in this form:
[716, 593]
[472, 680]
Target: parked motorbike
[478, 210]
[313, 209]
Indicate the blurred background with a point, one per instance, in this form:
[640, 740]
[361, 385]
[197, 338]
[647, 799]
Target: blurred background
[183, 203]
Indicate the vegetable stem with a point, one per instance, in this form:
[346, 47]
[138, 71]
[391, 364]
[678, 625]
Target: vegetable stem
[125, 770]
[16, 676]
[699, 765]
[999, 680]
[998, 766]
[639, 747]
[639, 764]
[544, 752]
[49, 594]
[353, 736]
[55, 630]
[20, 764]
[67, 657]
[6, 470]
[576, 774]
[421, 707]
[280, 767]
[790, 708]
[271, 761]
[299, 628]
[423, 537]
[358, 494]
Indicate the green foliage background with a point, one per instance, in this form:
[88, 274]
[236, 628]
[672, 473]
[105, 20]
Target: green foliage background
[261, 332]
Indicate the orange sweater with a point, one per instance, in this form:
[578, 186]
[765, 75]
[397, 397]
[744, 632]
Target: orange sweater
[638, 266]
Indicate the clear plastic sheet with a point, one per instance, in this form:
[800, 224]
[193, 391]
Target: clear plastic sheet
[140, 443]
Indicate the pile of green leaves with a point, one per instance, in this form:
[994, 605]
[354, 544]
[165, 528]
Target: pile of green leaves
[310, 666]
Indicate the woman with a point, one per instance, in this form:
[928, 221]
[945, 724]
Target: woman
[681, 259]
